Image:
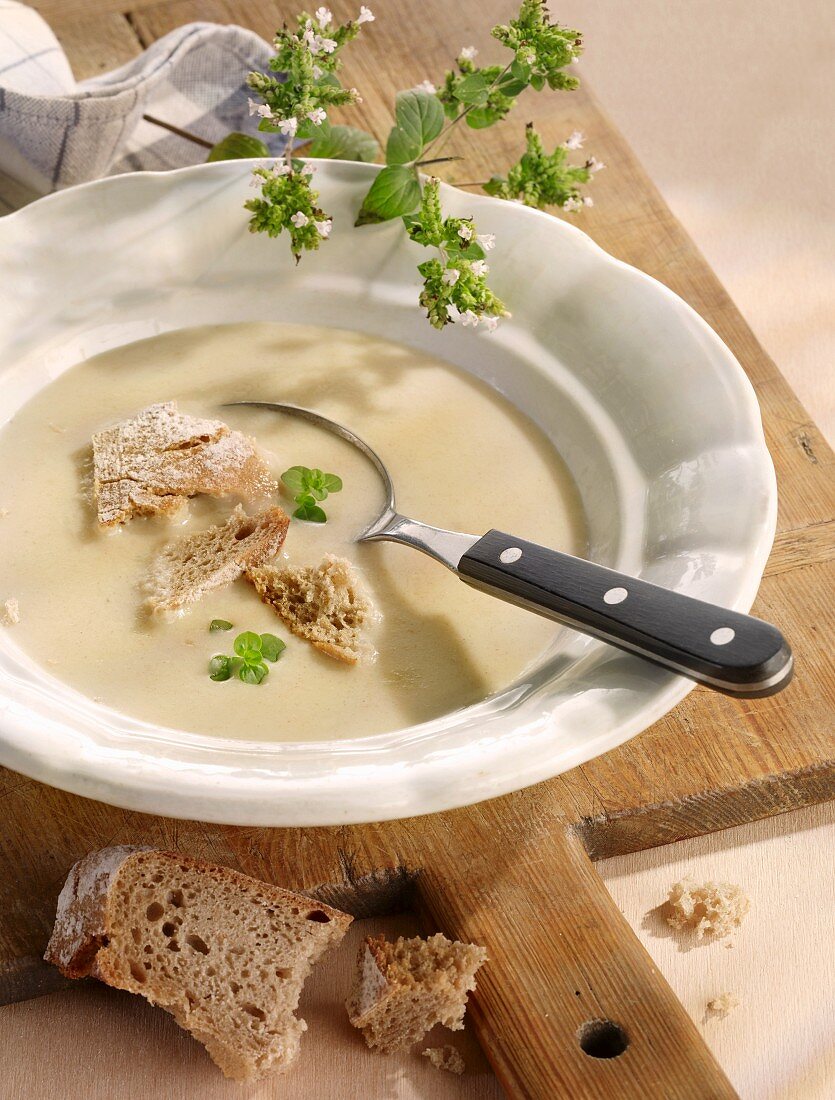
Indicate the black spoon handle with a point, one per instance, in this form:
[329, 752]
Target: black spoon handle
[733, 653]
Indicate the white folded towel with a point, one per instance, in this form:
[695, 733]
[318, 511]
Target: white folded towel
[55, 131]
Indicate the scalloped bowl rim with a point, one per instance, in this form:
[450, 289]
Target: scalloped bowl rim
[265, 783]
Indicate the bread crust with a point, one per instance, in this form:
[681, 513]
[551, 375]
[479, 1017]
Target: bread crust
[225, 954]
[153, 462]
[402, 989]
[185, 570]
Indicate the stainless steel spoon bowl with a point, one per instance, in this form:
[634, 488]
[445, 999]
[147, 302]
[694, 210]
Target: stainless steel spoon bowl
[725, 650]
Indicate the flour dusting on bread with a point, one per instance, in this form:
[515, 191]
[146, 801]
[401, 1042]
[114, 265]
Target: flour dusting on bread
[150, 464]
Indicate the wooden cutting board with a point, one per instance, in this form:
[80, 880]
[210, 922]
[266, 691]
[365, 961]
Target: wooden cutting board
[516, 873]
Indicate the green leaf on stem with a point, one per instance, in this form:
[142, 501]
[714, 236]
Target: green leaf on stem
[394, 192]
[236, 146]
[472, 90]
[344, 143]
[418, 119]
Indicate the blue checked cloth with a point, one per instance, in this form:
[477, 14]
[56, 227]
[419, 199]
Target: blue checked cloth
[56, 131]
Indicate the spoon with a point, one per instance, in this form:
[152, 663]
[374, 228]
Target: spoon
[725, 650]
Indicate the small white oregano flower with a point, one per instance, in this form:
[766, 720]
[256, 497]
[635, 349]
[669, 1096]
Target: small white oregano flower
[317, 116]
[466, 232]
[260, 109]
[288, 126]
[469, 53]
[479, 267]
[451, 276]
[426, 86]
[594, 165]
[366, 15]
[468, 318]
[487, 240]
[299, 219]
[324, 16]
[325, 227]
[575, 140]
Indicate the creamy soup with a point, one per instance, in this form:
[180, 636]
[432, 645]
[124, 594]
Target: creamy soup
[459, 454]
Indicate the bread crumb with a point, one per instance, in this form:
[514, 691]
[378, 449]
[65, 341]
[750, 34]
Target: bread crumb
[723, 1005]
[447, 1058]
[712, 909]
[11, 612]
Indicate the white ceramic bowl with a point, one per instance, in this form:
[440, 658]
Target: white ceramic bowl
[653, 415]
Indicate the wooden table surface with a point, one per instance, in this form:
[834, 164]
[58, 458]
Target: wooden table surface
[99, 35]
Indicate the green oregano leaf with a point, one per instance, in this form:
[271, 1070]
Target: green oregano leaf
[220, 667]
[236, 146]
[344, 143]
[248, 645]
[472, 89]
[310, 512]
[271, 647]
[252, 673]
[295, 478]
[418, 119]
[394, 192]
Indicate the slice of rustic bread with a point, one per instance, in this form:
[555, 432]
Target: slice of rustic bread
[402, 989]
[185, 570]
[152, 463]
[225, 954]
[325, 604]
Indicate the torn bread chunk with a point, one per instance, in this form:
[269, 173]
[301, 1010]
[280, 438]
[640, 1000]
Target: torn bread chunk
[446, 1057]
[326, 604]
[403, 989]
[225, 954]
[712, 909]
[150, 464]
[185, 570]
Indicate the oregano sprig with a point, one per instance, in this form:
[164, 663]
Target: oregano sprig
[541, 179]
[251, 652]
[296, 104]
[454, 283]
[297, 101]
[309, 488]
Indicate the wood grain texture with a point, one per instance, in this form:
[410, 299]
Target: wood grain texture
[97, 43]
[516, 863]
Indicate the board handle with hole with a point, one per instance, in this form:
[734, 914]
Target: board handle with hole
[569, 1004]
[725, 650]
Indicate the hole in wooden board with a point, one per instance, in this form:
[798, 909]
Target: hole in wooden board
[602, 1039]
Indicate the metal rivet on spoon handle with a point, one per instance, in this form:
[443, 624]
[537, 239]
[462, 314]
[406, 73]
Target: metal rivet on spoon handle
[725, 650]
